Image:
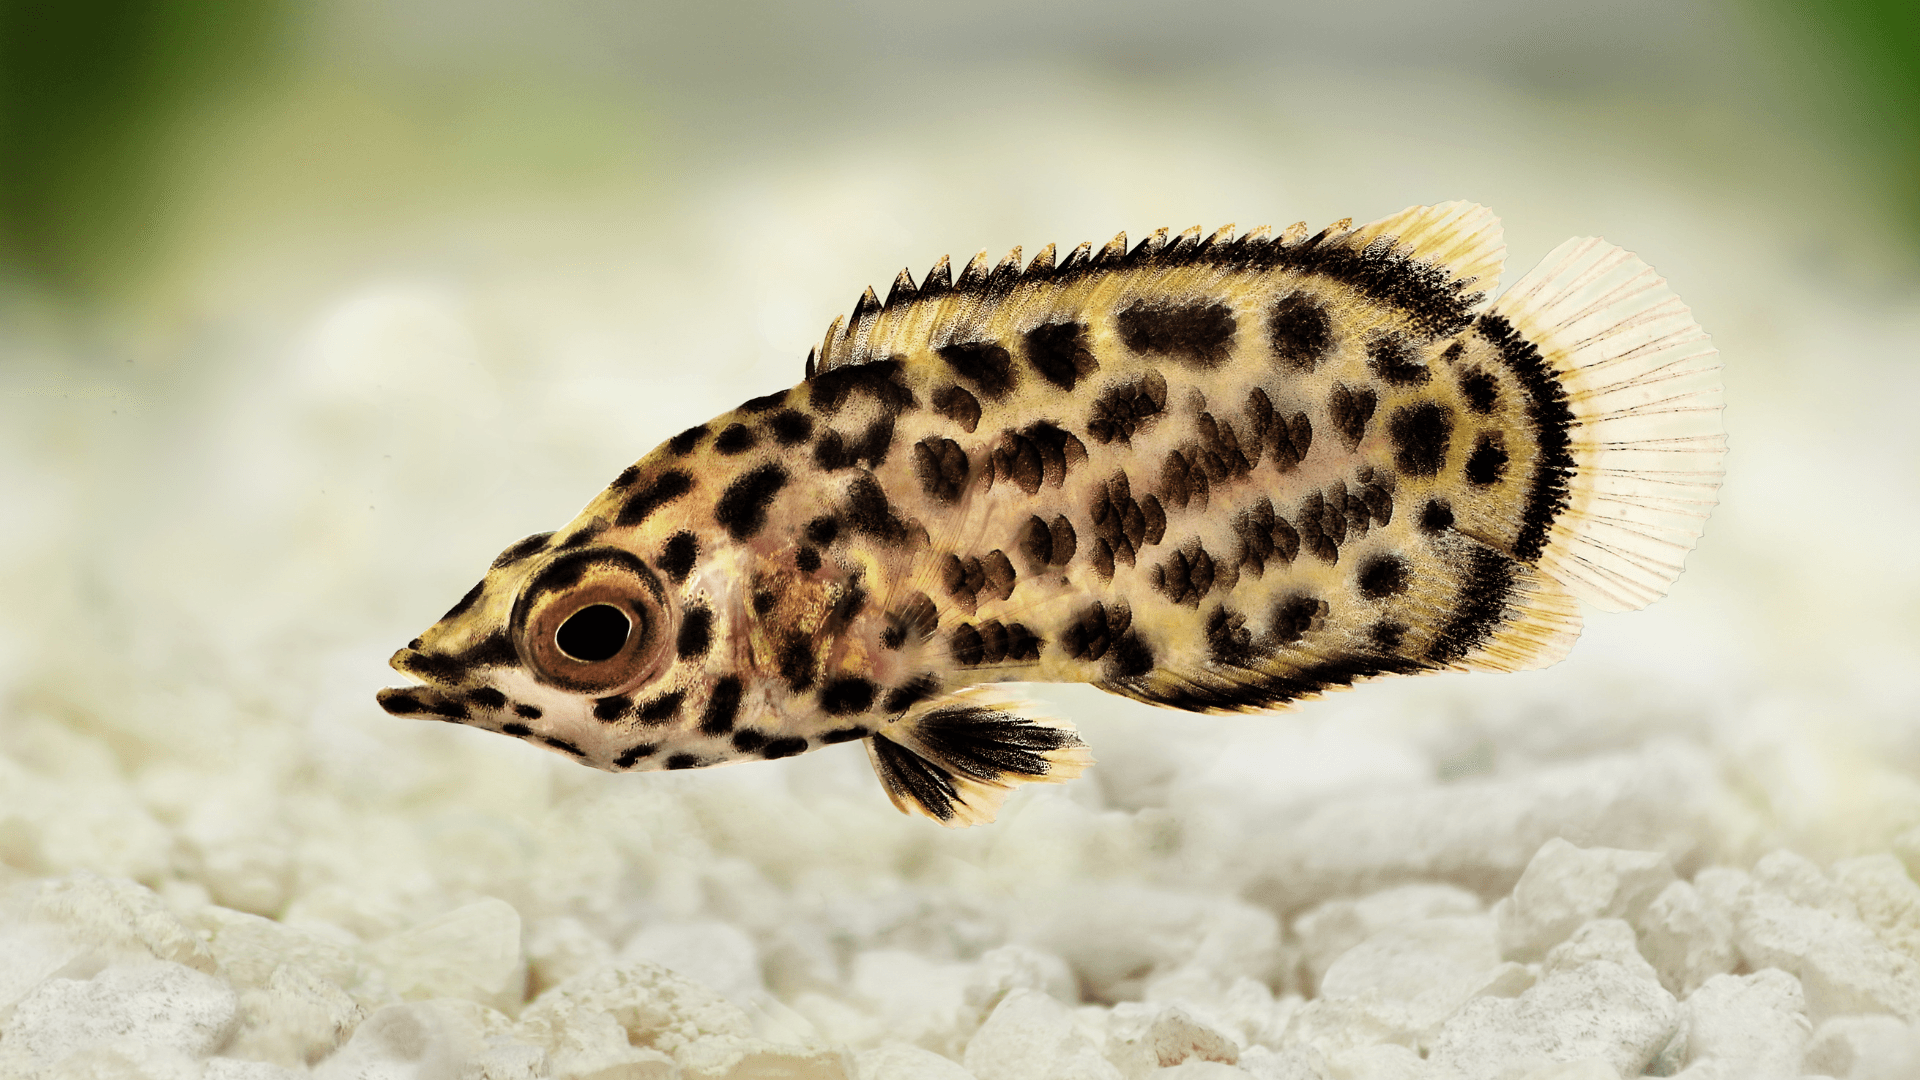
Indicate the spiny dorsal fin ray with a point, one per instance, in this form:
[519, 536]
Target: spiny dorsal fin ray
[1448, 254]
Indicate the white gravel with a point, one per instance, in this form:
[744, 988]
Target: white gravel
[1688, 851]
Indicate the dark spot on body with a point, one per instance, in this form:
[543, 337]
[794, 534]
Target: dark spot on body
[880, 380]
[910, 693]
[530, 712]
[1420, 433]
[823, 530]
[665, 488]
[1396, 361]
[789, 427]
[631, 755]
[764, 601]
[1481, 391]
[1296, 617]
[796, 661]
[399, 703]
[959, 406]
[1060, 353]
[942, 467]
[1131, 657]
[1124, 409]
[521, 549]
[696, 633]
[846, 696]
[1350, 408]
[612, 708]
[967, 646]
[1435, 516]
[845, 734]
[683, 443]
[563, 746]
[488, 698]
[518, 731]
[742, 507]
[869, 514]
[1387, 635]
[1200, 335]
[764, 403]
[807, 559]
[1488, 462]
[1299, 330]
[735, 439]
[627, 476]
[678, 555]
[985, 364]
[783, 748]
[661, 709]
[1229, 641]
[747, 740]
[723, 706]
[1382, 576]
[683, 761]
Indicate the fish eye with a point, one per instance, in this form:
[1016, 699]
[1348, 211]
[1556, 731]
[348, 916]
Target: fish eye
[592, 621]
[594, 633]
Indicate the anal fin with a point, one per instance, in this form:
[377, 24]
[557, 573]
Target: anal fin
[957, 758]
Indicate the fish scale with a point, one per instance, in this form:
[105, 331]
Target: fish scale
[1216, 474]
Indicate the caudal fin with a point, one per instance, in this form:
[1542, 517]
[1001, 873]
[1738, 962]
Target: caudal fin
[1643, 383]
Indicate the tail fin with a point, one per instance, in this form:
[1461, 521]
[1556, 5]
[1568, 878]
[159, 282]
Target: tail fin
[1643, 383]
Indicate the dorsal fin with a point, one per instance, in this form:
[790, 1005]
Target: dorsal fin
[1437, 262]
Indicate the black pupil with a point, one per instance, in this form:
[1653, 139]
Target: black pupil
[593, 633]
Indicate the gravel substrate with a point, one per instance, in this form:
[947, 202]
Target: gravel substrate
[1687, 851]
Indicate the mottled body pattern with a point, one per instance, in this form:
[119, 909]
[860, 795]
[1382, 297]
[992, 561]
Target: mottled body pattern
[1218, 474]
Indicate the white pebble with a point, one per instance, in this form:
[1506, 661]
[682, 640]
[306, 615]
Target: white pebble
[1141, 1038]
[154, 1003]
[1842, 966]
[1199, 1070]
[1326, 932]
[118, 914]
[413, 1041]
[297, 1017]
[1685, 938]
[1565, 886]
[1387, 1061]
[1292, 1063]
[717, 955]
[1599, 1010]
[471, 952]
[1864, 1048]
[904, 1061]
[1030, 1036]
[1888, 899]
[1481, 833]
[1601, 939]
[1432, 965]
[1756, 1023]
[226, 1068]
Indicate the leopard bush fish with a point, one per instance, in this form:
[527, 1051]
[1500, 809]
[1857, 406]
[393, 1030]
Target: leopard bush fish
[1213, 473]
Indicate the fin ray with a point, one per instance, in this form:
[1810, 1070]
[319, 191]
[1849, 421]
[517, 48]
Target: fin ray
[1643, 383]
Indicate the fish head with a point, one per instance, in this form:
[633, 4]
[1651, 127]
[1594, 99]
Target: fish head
[626, 645]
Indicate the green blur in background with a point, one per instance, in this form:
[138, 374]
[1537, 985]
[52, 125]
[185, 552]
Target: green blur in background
[118, 116]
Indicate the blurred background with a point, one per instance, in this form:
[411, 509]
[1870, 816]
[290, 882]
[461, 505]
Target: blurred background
[306, 310]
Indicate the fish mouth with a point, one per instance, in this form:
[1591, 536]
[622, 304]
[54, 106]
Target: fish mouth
[422, 702]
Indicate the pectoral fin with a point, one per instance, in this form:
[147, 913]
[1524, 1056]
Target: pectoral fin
[958, 758]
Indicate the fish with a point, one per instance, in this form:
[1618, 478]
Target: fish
[1212, 472]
